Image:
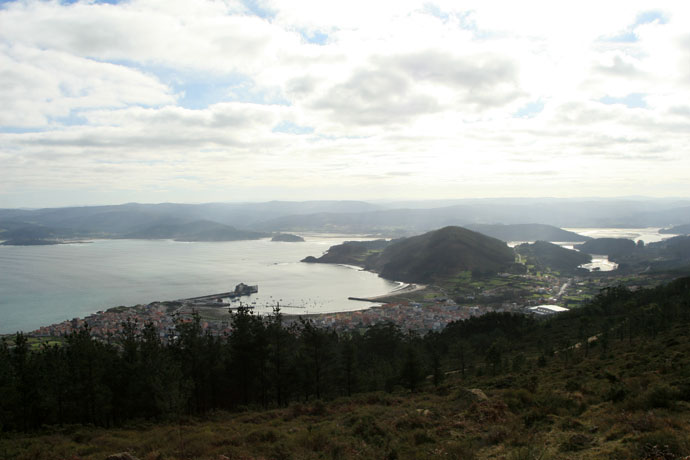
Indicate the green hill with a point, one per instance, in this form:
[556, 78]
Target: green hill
[424, 258]
[350, 253]
[677, 247]
[550, 256]
[441, 253]
[613, 247]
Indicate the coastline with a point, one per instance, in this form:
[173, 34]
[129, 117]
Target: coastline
[407, 288]
[162, 313]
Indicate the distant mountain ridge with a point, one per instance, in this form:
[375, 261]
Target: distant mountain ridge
[557, 213]
[201, 230]
[527, 232]
[522, 219]
[677, 230]
[164, 220]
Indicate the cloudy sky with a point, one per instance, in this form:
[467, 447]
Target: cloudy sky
[197, 101]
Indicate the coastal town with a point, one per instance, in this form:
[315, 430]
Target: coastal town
[414, 316]
[419, 310]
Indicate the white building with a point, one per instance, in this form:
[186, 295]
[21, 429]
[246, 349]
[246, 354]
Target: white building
[547, 309]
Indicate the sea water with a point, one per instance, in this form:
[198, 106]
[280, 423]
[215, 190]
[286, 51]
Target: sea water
[41, 285]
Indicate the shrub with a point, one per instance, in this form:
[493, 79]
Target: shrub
[517, 400]
[457, 450]
[530, 452]
[555, 403]
[661, 445]
[369, 431]
[684, 392]
[296, 410]
[495, 435]
[318, 408]
[281, 452]
[572, 385]
[488, 411]
[337, 451]
[616, 393]
[644, 423]
[660, 396]
[411, 422]
[422, 437]
[261, 436]
[195, 444]
[534, 417]
[314, 439]
[576, 442]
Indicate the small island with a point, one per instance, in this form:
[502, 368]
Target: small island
[287, 238]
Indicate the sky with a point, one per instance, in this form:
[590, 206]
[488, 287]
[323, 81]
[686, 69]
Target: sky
[105, 102]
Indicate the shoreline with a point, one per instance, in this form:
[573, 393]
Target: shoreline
[404, 289]
[163, 311]
[210, 308]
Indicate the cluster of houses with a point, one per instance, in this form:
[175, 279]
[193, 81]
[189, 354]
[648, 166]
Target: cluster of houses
[431, 316]
[408, 316]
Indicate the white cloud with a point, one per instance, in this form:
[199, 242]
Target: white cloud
[44, 84]
[389, 97]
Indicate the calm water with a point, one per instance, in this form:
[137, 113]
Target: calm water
[602, 262]
[41, 285]
[648, 235]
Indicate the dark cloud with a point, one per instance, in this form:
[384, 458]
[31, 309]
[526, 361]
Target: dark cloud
[681, 110]
[377, 96]
[392, 89]
[301, 86]
[484, 81]
[685, 62]
[619, 68]
[473, 73]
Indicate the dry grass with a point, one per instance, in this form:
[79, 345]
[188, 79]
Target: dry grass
[630, 404]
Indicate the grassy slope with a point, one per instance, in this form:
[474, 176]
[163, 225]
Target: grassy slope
[628, 403]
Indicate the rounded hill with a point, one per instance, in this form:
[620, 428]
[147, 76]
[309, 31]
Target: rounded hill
[441, 253]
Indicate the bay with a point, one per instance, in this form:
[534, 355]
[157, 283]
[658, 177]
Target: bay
[41, 285]
[648, 235]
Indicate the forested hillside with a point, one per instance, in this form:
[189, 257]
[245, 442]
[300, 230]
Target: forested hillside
[544, 255]
[609, 380]
[424, 258]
